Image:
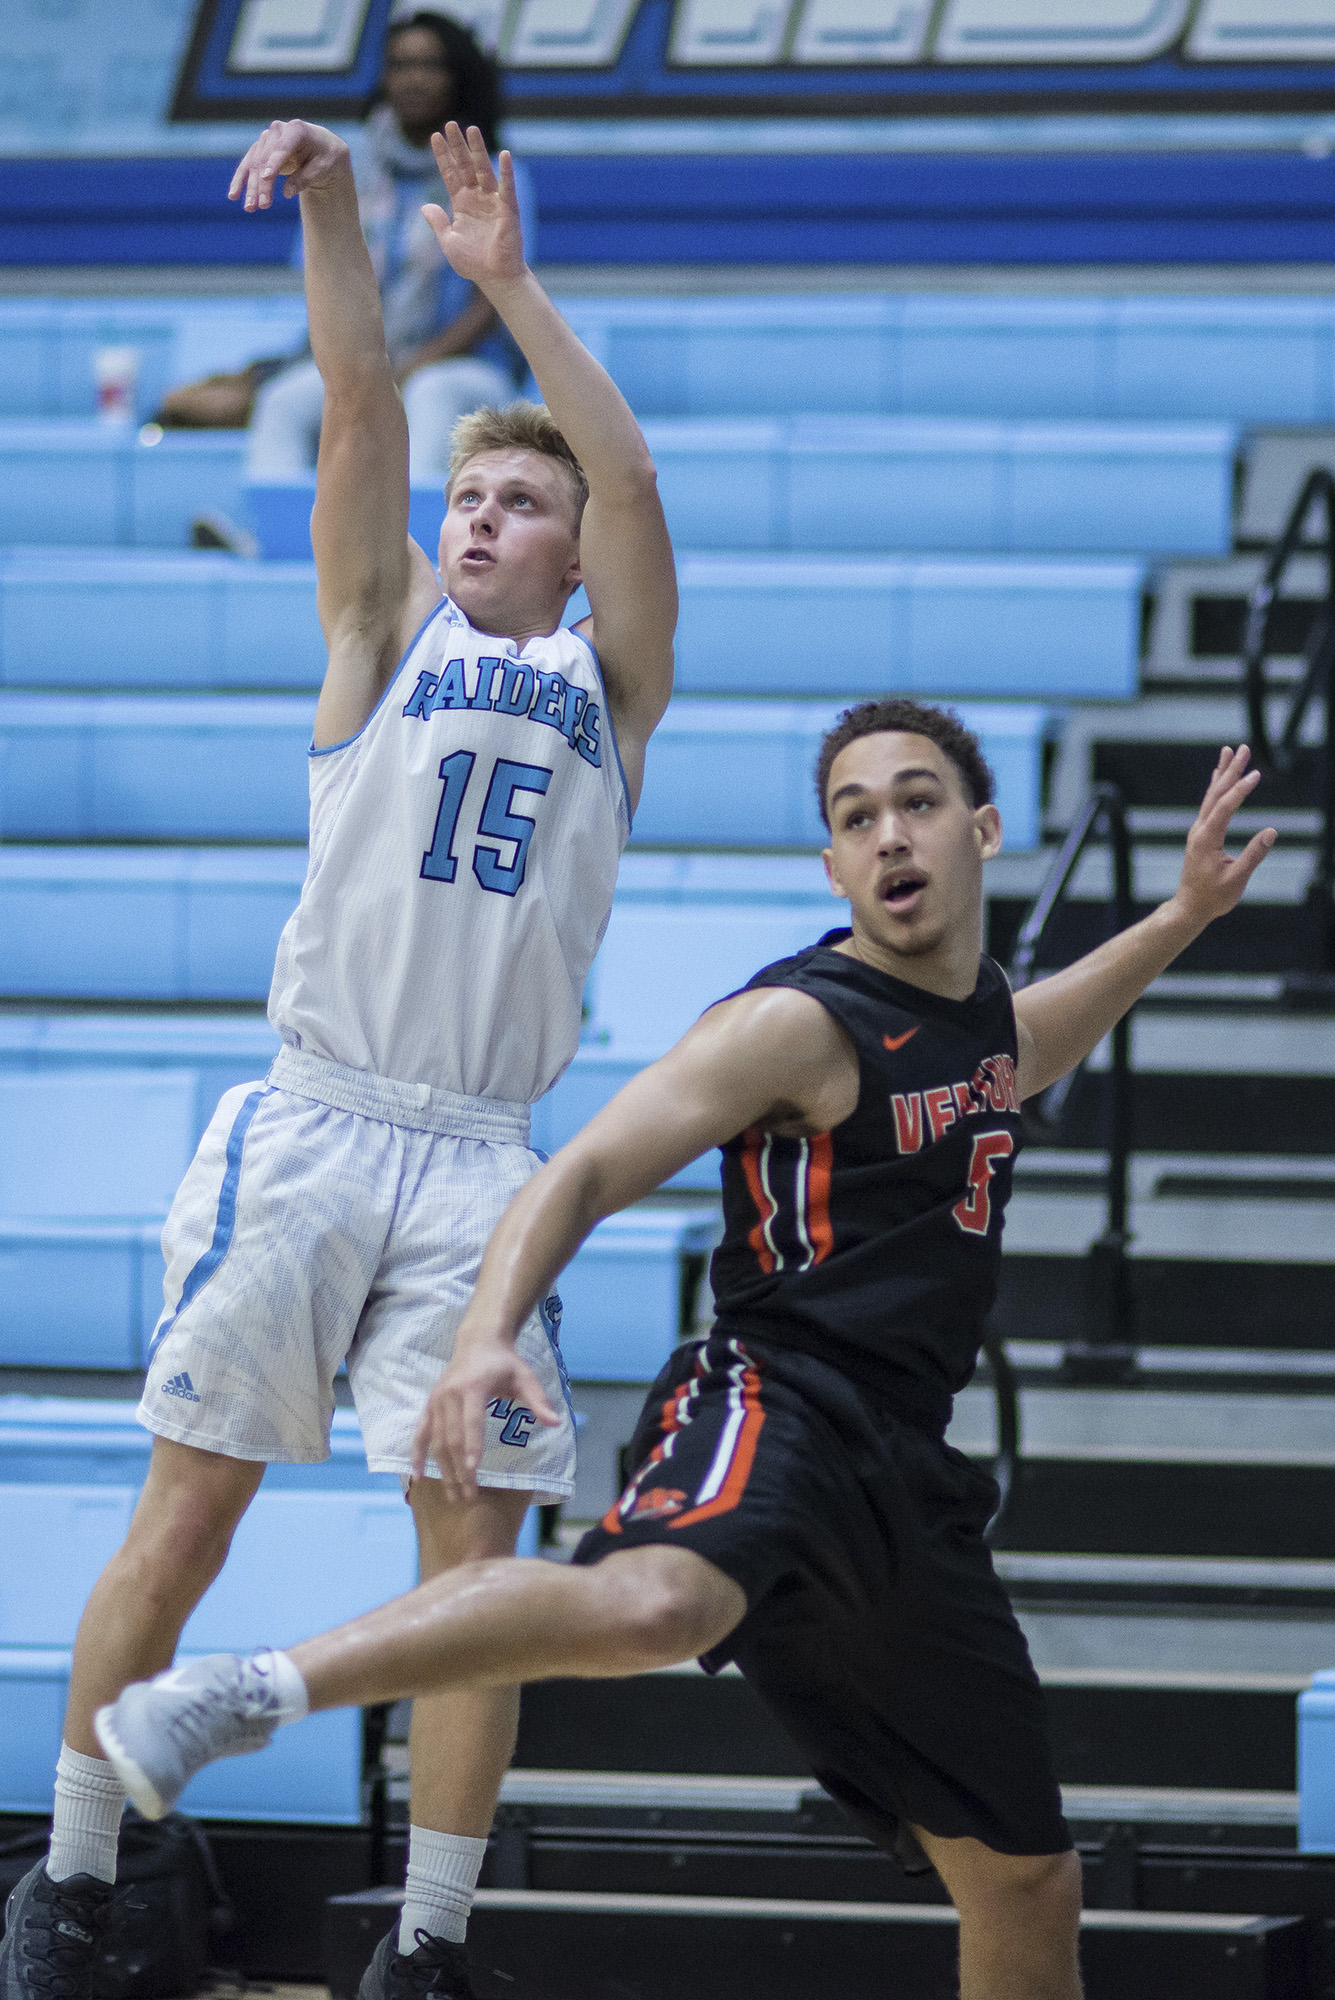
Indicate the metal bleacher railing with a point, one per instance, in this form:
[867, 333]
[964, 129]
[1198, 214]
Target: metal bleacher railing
[1107, 1351]
[1314, 984]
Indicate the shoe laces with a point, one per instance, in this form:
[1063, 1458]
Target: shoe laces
[60, 1966]
[424, 1970]
[197, 1716]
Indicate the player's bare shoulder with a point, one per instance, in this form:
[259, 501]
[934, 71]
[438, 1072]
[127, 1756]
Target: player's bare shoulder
[794, 1052]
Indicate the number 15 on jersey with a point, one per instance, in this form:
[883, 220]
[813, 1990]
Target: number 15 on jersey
[498, 820]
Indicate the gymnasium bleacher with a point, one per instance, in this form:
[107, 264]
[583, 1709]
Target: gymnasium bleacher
[1048, 506]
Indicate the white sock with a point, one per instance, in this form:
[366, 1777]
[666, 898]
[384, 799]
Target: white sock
[442, 1876]
[275, 1681]
[89, 1799]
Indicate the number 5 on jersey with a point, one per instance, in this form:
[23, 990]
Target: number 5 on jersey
[973, 1211]
[498, 819]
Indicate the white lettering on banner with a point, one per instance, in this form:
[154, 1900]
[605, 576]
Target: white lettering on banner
[862, 31]
[1065, 31]
[1261, 30]
[715, 32]
[483, 17]
[756, 34]
[282, 36]
[568, 34]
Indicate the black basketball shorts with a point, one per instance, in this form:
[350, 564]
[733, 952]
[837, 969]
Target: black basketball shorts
[876, 1630]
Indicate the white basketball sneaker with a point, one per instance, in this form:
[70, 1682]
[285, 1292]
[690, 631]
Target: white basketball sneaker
[162, 1731]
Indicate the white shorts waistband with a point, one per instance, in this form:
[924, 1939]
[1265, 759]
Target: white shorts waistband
[415, 1105]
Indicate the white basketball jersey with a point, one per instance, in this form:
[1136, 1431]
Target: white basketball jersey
[464, 849]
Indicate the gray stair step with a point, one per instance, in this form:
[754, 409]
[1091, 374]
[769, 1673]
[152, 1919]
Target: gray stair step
[1155, 1426]
[587, 1945]
[1275, 464]
[1196, 622]
[1175, 1580]
[1233, 1228]
[1128, 1726]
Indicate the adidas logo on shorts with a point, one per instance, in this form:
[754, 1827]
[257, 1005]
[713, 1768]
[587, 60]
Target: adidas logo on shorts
[181, 1385]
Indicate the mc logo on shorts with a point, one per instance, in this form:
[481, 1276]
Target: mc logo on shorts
[517, 1420]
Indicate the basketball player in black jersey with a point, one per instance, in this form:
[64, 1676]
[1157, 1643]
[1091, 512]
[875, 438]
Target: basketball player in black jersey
[795, 1507]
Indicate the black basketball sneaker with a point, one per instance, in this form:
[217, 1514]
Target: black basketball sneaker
[53, 1933]
[437, 1970]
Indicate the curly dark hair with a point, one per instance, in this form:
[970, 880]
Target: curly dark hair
[940, 725]
[477, 77]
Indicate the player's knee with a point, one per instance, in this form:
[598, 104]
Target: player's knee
[657, 1611]
[179, 1538]
[1042, 1891]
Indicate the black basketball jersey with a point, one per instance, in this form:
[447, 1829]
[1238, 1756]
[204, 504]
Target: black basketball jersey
[877, 1246]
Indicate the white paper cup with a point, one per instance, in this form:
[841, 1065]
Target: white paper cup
[116, 373]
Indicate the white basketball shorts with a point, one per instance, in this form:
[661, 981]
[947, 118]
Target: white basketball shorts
[309, 1231]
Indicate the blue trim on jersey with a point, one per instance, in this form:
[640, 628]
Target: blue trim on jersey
[588, 646]
[224, 1226]
[328, 749]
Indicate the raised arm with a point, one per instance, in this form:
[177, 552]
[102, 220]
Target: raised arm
[1062, 1018]
[772, 1057]
[373, 588]
[625, 554]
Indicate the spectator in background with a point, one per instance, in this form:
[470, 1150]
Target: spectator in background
[450, 352]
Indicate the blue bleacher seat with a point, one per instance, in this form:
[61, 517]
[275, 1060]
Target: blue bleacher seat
[47, 344]
[622, 1294]
[319, 1544]
[748, 624]
[222, 1052]
[201, 767]
[88, 1441]
[686, 929]
[279, 512]
[933, 485]
[739, 773]
[133, 619]
[1240, 359]
[959, 626]
[233, 767]
[217, 1050]
[78, 1293]
[47, 348]
[89, 1161]
[939, 486]
[144, 923]
[65, 483]
[311, 1773]
[94, 1143]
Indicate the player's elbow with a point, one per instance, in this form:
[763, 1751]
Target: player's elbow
[632, 482]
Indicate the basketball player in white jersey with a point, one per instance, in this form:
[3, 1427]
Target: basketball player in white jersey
[473, 773]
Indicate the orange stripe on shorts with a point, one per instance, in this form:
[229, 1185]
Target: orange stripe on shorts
[742, 1459]
[669, 1421]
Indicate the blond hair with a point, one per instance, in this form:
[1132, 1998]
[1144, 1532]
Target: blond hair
[519, 427]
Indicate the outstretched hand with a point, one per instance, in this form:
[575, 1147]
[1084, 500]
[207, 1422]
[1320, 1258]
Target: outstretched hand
[307, 154]
[1213, 881]
[481, 235]
[453, 1426]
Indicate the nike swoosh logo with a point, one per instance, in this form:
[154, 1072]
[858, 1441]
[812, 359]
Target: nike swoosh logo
[893, 1042]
